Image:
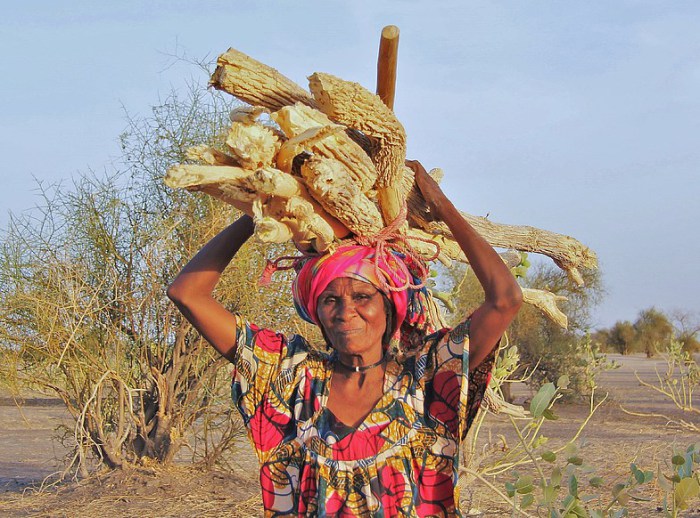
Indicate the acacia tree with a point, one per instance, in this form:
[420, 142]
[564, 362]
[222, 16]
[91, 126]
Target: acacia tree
[83, 312]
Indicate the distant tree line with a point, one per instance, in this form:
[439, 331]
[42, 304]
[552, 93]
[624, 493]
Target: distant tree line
[650, 333]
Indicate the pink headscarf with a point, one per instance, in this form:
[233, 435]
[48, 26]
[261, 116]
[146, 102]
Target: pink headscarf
[392, 273]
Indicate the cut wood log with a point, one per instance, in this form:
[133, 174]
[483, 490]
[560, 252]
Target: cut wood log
[352, 105]
[252, 145]
[568, 253]
[296, 120]
[209, 155]
[547, 303]
[353, 177]
[278, 195]
[188, 176]
[303, 143]
[256, 83]
[332, 186]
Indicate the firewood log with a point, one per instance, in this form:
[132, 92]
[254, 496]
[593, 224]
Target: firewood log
[335, 167]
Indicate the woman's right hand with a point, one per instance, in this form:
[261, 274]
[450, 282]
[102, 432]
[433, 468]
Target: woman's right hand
[192, 289]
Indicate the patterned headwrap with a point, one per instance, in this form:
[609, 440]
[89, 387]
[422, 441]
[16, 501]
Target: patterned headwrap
[399, 276]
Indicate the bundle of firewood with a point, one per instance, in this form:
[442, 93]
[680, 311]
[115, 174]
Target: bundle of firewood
[319, 166]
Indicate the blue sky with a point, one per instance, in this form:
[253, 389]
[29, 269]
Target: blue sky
[577, 117]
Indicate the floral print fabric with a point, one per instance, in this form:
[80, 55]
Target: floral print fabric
[400, 461]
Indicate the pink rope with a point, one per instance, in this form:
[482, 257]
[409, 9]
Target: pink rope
[381, 239]
[379, 242]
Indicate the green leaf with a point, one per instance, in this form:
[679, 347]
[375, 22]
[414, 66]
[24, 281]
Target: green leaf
[568, 502]
[638, 475]
[663, 481]
[527, 501]
[686, 470]
[576, 461]
[596, 481]
[623, 497]
[510, 489]
[617, 488]
[686, 490]
[648, 476]
[563, 381]
[573, 486]
[549, 456]
[556, 477]
[570, 449]
[524, 484]
[549, 494]
[548, 414]
[542, 399]
[678, 460]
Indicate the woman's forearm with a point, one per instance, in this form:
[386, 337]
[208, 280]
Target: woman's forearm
[201, 274]
[503, 296]
[500, 287]
[192, 289]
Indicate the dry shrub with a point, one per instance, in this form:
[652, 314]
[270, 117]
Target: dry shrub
[83, 311]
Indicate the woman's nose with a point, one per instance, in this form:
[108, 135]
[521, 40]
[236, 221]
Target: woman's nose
[346, 309]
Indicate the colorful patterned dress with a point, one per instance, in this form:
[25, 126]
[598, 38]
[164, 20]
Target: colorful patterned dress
[400, 461]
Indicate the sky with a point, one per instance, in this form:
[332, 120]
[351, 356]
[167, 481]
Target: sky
[582, 118]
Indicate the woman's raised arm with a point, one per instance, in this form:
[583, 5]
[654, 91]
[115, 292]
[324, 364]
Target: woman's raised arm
[503, 294]
[192, 289]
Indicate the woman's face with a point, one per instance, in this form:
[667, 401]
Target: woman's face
[353, 316]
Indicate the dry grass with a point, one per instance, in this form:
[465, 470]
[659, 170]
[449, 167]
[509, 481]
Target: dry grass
[172, 492]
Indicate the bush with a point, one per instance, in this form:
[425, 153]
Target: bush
[83, 311]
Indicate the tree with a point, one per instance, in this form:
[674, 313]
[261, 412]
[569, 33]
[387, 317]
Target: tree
[687, 328]
[653, 330]
[622, 337]
[83, 312]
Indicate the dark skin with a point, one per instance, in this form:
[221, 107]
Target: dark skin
[352, 313]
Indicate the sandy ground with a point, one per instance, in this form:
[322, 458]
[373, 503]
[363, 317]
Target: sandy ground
[29, 454]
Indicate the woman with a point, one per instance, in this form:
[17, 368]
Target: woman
[359, 430]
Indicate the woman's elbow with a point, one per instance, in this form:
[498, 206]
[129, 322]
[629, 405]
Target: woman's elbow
[510, 301]
[177, 293]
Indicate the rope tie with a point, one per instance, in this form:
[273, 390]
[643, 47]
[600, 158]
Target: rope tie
[389, 237]
[272, 266]
[379, 242]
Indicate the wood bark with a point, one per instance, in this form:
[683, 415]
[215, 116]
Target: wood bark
[252, 145]
[256, 83]
[297, 120]
[352, 105]
[331, 184]
[546, 302]
[568, 253]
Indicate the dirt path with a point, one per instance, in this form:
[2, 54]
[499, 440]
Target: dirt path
[613, 438]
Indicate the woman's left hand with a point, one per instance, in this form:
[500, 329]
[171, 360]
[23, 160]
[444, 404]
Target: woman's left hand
[429, 188]
[503, 296]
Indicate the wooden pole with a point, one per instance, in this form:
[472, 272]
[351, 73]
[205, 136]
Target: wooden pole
[386, 64]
